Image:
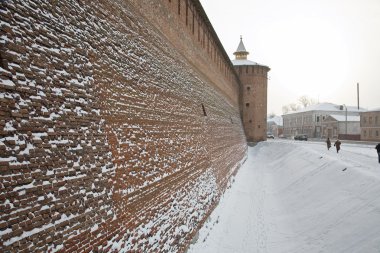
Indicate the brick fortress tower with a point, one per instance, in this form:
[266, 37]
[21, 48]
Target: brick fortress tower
[253, 77]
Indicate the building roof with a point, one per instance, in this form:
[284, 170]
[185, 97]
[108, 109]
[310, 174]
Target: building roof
[241, 53]
[277, 120]
[241, 47]
[328, 107]
[243, 62]
[343, 118]
[241, 57]
[371, 110]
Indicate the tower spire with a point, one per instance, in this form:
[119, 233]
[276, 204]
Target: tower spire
[241, 53]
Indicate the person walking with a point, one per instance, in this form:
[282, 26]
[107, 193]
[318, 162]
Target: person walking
[337, 145]
[328, 142]
[378, 150]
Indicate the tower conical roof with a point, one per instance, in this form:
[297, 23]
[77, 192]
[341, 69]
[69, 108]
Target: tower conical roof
[241, 47]
[241, 53]
[241, 56]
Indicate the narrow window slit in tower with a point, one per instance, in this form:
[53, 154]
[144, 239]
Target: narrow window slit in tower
[204, 110]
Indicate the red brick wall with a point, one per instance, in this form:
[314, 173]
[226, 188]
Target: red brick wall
[103, 140]
[254, 79]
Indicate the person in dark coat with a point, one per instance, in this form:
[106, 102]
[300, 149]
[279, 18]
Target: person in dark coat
[328, 142]
[337, 145]
[378, 150]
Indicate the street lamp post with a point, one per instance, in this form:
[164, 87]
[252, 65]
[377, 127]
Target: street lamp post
[341, 107]
[346, 118]
[321, 135]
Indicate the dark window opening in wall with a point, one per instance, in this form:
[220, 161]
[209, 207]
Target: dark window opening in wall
[204, 39]
[250, 121]
[204, 110]
[179, 7]
[365, 133]
[247, 104]
[248, 88]
[377, 133]
[317, 118]
[199, 31]
[208, 40]
[187, 13]
[193, 28]
[258, 126]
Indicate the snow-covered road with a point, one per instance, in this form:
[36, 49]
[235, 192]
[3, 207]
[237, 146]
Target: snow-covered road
[299, 197]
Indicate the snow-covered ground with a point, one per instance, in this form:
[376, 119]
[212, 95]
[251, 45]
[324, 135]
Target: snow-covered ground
[299, 197]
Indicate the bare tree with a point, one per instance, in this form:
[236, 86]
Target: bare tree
[305, 101]
[293, 107]
[285, 109]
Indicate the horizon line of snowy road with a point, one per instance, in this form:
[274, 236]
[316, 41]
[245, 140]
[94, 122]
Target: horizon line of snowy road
[293, 196]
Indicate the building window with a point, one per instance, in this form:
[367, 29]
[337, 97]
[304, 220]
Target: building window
[247, 104]
[204, 110]
[250, 121]
[248, 88]
[370, 120]
[317, 118]
[187, 13]
[365, 133]
[377, 133]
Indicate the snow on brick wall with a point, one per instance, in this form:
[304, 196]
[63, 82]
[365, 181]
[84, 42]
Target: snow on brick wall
[103, 140]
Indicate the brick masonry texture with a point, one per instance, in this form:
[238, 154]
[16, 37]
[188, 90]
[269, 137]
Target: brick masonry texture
[104, 142]
[254, 100]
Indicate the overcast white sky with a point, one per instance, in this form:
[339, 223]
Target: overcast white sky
[318, 48]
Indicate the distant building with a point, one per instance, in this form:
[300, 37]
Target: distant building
[254, 80]
[275, 126]
[309, 120]
[338, 126]
[370, 125]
